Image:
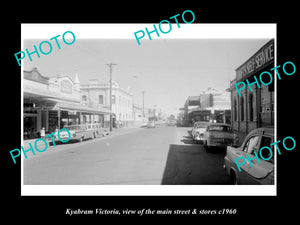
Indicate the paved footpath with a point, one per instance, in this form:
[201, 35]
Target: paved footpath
[59, 146]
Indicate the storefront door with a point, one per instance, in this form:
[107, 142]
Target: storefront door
[30, 126]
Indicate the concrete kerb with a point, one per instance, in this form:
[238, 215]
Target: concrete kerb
[115, 132]
[67, 146]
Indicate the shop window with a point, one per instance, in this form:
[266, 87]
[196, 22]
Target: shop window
[251, 145]
[242, 108]
[100, 99]
[266, 141]
[251, 108]
[30, 127]
[235, 110]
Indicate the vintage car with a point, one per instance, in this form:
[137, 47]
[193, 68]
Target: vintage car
[80, 132]
[151, 124]
[261, 172]
[182, 123]
[97, 129]
[171, 122]
[198, 130]
[218, 135]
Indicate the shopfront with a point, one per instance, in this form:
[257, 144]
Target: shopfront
[254, 108]
[53, 103]
[199, 115]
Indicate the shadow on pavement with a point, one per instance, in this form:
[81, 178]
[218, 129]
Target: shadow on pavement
[191, 164]
[187, 141]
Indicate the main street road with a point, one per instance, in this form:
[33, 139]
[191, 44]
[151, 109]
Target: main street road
[161, 155]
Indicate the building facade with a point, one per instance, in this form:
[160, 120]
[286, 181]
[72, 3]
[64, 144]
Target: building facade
[254, 108]
[211, 105]
[53, 103]
[99, 93]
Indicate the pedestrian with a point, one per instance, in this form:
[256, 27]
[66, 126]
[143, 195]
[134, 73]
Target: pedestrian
[56, 132]
[42, 132]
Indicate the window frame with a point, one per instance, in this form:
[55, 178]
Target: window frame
[247, 144]
[272, 147]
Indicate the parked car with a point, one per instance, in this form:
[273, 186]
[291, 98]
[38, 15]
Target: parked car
[218, 135]
[171, 122]
[151, 124]
[258, 173]
[198, 130]
[181, 123]
[97, 130]
[78, 132]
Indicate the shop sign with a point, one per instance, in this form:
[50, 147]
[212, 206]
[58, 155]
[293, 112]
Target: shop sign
[73, 112]
[262, 58]
[201, 112]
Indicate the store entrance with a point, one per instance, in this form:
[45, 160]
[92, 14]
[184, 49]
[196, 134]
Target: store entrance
[30, 127]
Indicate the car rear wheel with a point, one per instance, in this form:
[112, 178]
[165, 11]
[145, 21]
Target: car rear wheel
[233, 178]
[207, 148]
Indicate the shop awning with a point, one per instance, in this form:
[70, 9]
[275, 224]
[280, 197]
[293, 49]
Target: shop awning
[221, 107]
[198, 109]
[55, 104]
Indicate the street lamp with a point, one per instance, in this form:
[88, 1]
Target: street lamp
[143, 99]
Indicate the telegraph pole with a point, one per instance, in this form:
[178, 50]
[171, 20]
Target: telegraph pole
[143, 104]
[110, 94]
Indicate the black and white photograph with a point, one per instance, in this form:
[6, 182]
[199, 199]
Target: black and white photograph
[110, 112]
[142, 111]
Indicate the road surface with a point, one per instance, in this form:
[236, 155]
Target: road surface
[161, 155]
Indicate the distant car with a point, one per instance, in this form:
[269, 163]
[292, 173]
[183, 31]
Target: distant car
[218, 135]
[258, 173]
[198, 130]
[182, 123]
[171, 122]
[151, 124]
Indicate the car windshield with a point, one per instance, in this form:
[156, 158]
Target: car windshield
[73, 127]
[201, 125]
[220, 128]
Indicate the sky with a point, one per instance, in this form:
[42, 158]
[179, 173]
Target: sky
[167, 70]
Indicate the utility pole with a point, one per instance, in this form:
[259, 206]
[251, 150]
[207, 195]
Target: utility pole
[143, 92]
[110, 94]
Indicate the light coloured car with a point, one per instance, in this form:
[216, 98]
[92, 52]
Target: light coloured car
[261, 172]
[171, 122]
[77, 132]
[198, 130]
[151, 124]
[218, 135]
